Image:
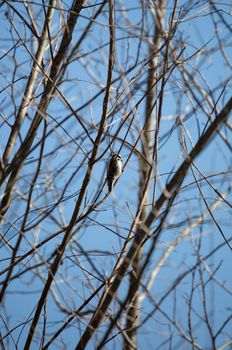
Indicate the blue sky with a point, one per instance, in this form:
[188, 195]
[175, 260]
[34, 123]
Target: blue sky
[87, 76]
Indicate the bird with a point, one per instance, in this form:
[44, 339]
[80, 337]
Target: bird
[114, 170]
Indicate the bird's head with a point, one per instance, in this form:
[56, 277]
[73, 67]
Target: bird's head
[116, 156]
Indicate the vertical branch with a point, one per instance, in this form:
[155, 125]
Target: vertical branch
[132, 317]
[30, 85]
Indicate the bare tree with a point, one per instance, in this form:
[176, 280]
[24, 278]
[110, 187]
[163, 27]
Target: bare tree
[146, 264]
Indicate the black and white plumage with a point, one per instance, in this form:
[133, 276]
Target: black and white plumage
[114, 170]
